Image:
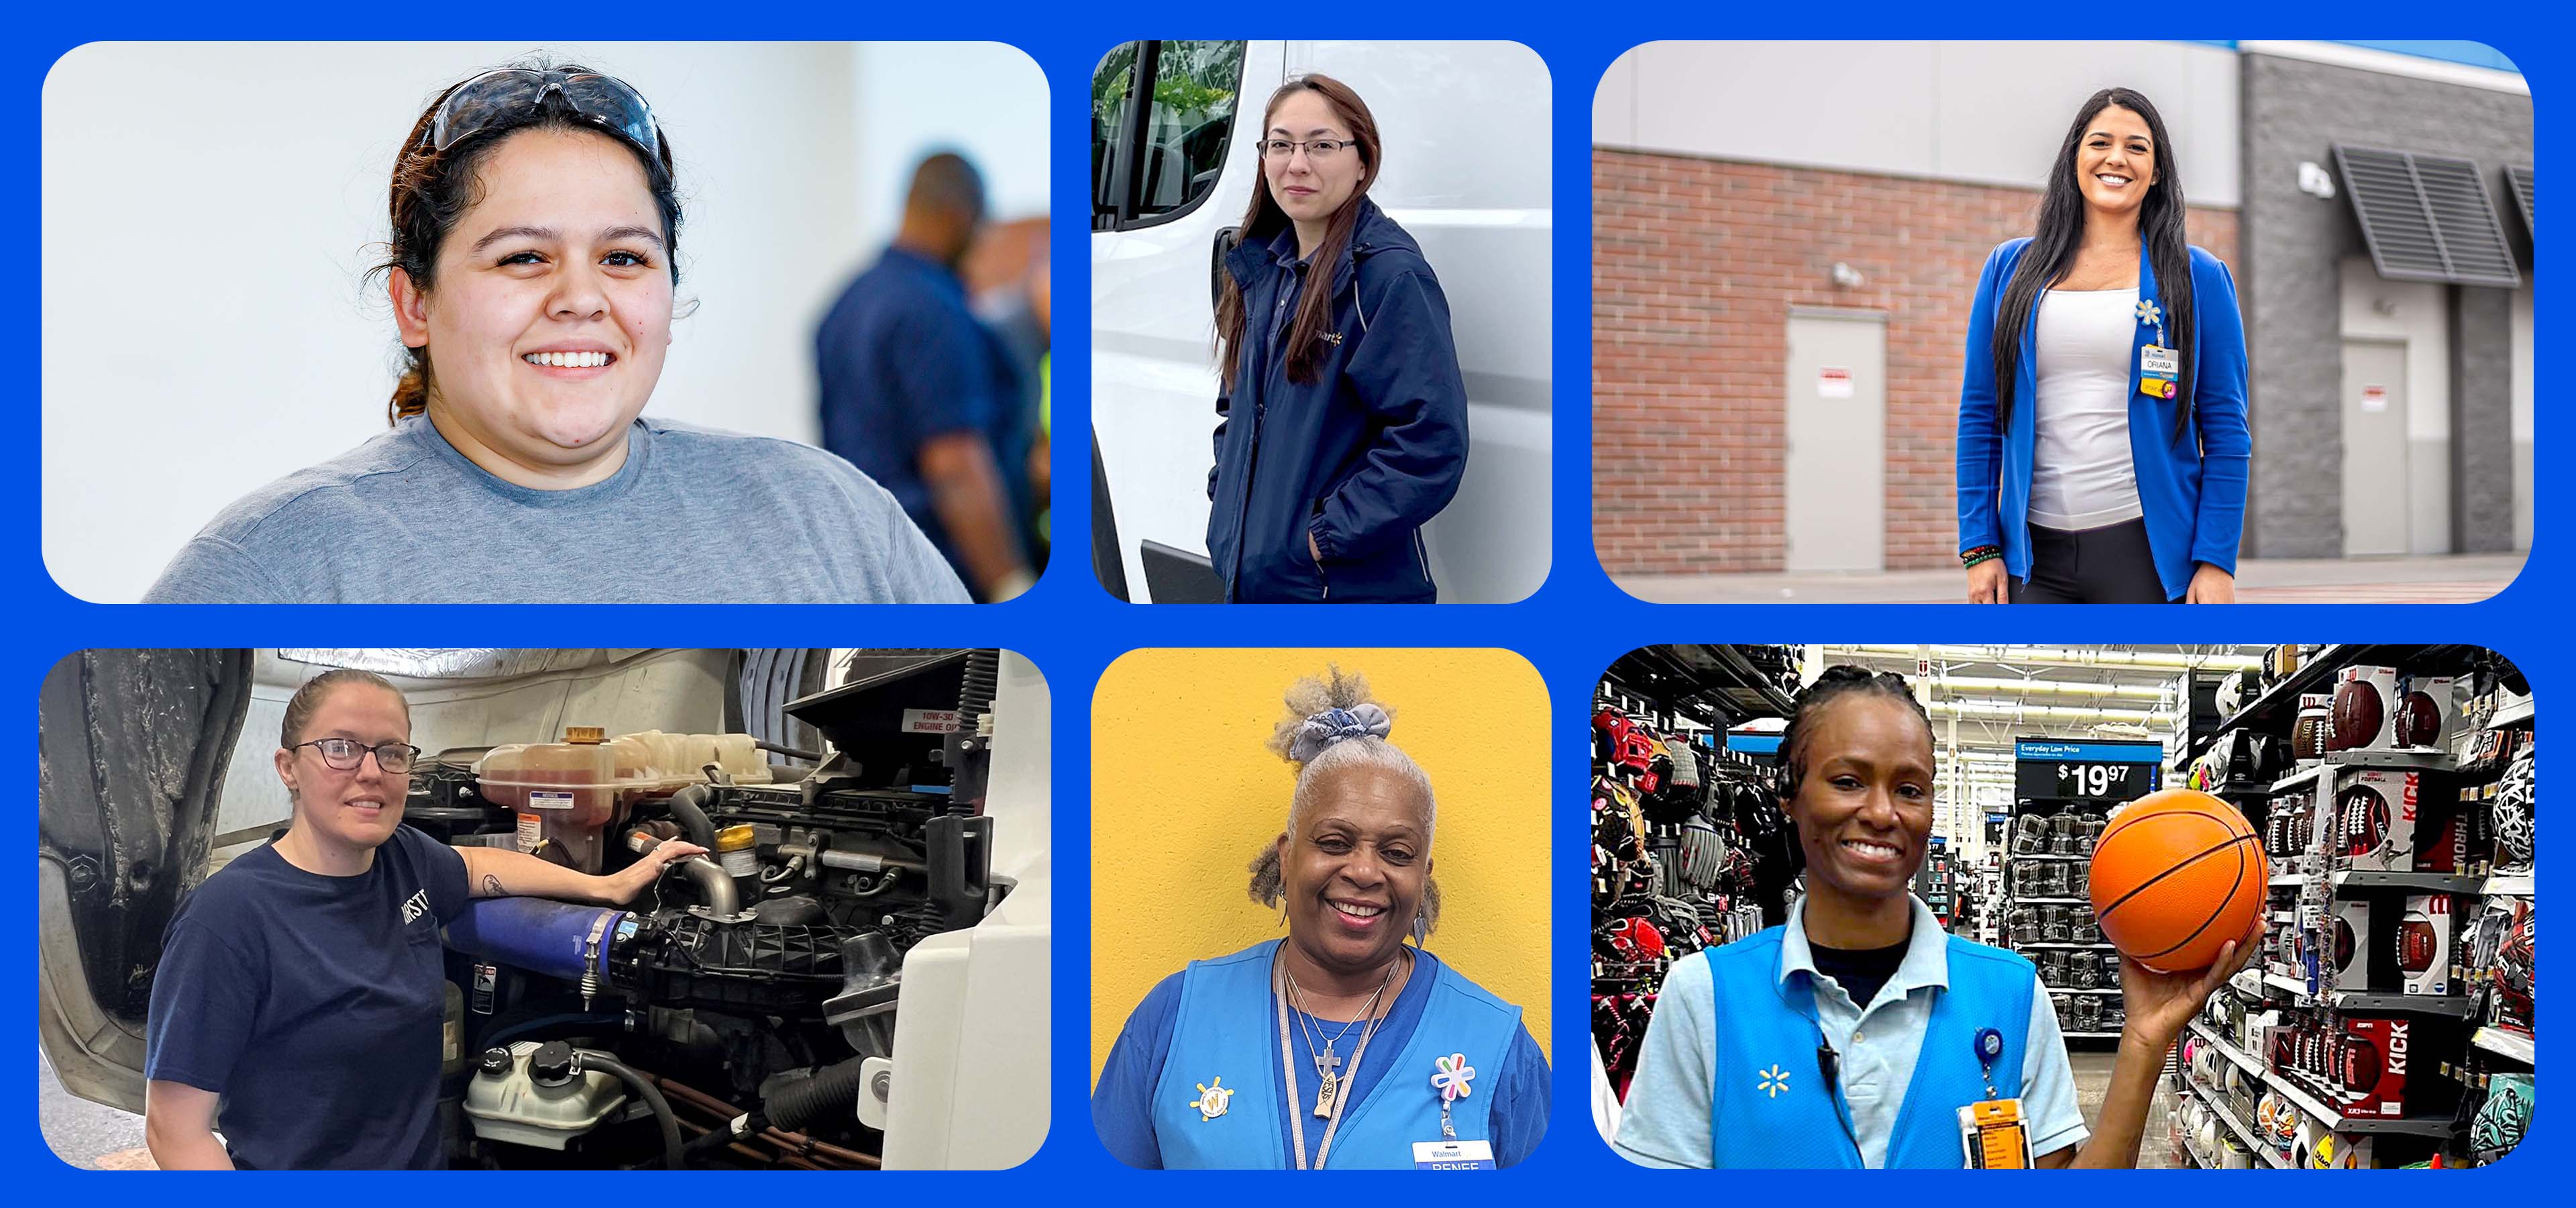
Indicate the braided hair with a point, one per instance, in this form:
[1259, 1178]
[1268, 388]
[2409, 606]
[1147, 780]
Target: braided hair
[1838, 681]
[1333, 722]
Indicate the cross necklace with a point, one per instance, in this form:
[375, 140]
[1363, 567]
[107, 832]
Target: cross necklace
[1328, 1062]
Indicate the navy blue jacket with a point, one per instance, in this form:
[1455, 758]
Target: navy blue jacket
[2192, 485]
[1362, 457]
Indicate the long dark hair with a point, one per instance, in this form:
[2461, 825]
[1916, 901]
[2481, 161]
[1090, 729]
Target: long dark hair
[1264, 219]
[2061, 232]
[432, 190]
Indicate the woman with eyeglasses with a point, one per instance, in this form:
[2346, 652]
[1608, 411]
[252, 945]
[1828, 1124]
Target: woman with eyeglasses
[531, 265]
[1342, 425]
[302, 985]
[2103, 448]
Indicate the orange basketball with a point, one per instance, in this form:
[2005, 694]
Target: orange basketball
[2176, 875]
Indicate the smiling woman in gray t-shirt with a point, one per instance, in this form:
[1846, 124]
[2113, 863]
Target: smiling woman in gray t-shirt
[532, 275]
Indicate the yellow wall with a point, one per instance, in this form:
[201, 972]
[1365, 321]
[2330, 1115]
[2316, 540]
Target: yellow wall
[1183, 795]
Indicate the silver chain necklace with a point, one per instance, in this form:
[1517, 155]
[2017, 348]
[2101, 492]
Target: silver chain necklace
[1328, 1062]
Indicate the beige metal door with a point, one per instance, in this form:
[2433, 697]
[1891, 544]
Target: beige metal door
[1837, 441]
[2375, 484]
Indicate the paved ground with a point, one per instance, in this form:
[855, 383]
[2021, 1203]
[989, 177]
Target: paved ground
[86, 1134]
[2448, 579]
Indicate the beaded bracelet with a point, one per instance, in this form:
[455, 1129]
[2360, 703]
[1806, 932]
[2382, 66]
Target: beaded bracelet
[1975, 556]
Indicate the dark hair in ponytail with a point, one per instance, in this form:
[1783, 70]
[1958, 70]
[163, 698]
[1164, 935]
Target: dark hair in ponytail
[1837, 682]
[2060, 235]
[433, 189]
[1264, 219]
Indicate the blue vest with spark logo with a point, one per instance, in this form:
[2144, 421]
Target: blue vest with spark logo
[1227, 1027]
[1771, 1106]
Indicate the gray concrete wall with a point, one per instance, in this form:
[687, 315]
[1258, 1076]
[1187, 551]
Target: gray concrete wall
[2293, 112]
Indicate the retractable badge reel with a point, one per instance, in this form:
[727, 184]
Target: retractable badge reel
[2159, 365]
[1991, 1135]
[1452, 1077]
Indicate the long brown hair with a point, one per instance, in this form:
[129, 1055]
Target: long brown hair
[1264, 220]
[433, 189]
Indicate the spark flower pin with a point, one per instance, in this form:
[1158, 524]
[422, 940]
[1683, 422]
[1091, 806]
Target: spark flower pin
[1450, 1076]
[2149, 312]
[1774, 1081]
[1211, 1101]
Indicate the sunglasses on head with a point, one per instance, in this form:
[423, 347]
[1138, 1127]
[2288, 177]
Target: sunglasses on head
[502, 94]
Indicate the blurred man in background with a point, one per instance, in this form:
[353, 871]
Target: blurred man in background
[922, 397]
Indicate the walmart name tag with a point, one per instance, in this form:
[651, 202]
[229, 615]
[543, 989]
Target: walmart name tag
[1453, 1155]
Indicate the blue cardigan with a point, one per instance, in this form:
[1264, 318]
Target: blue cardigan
[2191, 486]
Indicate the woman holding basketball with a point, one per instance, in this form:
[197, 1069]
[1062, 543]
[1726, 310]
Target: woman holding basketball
[1860, 1034]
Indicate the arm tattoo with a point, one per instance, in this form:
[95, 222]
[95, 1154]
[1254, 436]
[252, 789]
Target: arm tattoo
[492, 887]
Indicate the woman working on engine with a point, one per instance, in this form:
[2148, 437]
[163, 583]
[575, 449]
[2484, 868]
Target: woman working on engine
[301, 986]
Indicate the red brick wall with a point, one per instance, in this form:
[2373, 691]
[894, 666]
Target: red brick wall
[1695, 264]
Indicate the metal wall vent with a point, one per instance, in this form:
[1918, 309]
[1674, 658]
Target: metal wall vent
[2426, 217]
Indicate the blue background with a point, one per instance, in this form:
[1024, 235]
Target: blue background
[1570, 630]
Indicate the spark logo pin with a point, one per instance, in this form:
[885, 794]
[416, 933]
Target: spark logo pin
[1212, 1099]
[1774, 1081]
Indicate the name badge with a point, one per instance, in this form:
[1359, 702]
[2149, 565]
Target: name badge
[2159, 369]
[1453, 1155]
[1991, 1136]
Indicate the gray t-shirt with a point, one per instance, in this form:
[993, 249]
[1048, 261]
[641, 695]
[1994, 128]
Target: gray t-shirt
[694, 516]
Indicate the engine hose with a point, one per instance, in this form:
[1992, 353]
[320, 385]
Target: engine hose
[832, 1088]
[533, 1028]
[605, 1063]
[692, 816]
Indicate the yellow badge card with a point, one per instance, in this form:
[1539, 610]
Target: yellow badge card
[1991, 1135]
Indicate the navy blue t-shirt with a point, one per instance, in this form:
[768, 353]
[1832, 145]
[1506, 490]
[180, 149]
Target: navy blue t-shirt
[312, 1004]
[1122, 1108]
[903, 359]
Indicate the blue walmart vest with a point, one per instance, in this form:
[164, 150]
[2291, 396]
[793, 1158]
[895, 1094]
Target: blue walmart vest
[1771, 1106]
[1227, 1027]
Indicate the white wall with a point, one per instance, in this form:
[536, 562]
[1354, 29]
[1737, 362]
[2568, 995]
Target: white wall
[209, 210]
[1983, 112]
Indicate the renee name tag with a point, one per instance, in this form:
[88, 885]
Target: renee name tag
[1453, 1155]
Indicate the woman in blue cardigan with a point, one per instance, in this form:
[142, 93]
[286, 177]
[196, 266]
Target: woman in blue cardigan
[2102, 436]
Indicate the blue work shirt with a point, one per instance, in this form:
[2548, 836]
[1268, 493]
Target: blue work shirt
[1122, 1109]
[903, 360]
[1665, 1121]
[314, 1005]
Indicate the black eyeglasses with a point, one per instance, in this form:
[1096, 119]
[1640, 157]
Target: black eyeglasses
[344, 754]
[1316, 148]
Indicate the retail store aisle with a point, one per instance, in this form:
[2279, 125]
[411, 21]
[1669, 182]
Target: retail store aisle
[2442, 579]
[2093, 1080]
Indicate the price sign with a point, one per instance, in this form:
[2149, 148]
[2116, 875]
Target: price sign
[2087, 771]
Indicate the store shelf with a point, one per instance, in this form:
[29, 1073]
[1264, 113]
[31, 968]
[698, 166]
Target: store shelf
[2365, 878]
[2052, 944]
[2454, 1006]
[2338, 1122]
[2504, 1043]
[2075, 990]
[2318, 671]
[2517, 884]
[2050, 901]
[2511, 715]
[2299, 779]
[2422, 761]
[2243, 788]
[2289, 880]
[2209, 1036]
[2226, 1113]
[2090, 1035]
[2049, 856]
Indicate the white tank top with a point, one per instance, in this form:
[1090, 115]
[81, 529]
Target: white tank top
[2081, 475]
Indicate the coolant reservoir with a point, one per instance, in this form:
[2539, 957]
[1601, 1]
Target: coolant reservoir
[567, 792]
[673, 760]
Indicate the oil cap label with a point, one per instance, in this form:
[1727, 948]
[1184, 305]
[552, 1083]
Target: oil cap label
[549, 801]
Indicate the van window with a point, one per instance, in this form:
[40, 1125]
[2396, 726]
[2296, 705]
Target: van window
[1156, 160]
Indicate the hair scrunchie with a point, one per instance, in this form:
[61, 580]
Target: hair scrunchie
[1320, 731]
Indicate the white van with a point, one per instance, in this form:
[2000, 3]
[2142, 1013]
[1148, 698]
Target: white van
[1466, 127]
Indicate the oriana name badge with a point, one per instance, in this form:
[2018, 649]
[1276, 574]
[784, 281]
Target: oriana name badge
[1453, 1155]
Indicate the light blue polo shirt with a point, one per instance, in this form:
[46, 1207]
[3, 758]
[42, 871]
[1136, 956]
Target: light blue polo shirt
[1665, 1121]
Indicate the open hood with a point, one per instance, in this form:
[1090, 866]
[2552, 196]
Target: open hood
[131, 751]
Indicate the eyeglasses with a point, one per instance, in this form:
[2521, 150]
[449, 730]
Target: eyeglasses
[1316, 148]
[604, 101]
[344, 754]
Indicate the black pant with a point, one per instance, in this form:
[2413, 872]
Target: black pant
[2108, 565]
